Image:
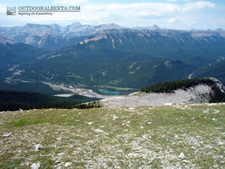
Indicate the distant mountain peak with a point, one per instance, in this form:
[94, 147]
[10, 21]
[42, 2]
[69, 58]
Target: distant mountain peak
[192, 29]
[154, 27]
[220, 30]
[113, 24]
[54, 24]
[110, 26]
[76, 24]
[31, 25]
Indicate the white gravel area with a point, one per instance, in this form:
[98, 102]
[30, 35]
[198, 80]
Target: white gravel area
[198, 94]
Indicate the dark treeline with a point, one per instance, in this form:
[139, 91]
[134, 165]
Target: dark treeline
[14, 100]
[88, 106]
[217, 95]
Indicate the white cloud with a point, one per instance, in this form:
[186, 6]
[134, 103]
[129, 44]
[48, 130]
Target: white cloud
[70, 2]
[172, 20]
[198, 5]
[3, 8]
[135, 14]
[135, 9]
[124, 11]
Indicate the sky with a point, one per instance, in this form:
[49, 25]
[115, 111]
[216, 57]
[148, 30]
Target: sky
[170, 14]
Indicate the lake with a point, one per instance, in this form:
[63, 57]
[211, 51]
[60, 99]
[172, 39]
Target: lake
[111, 93]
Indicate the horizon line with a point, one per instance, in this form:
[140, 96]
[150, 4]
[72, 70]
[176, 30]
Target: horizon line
[122, 27]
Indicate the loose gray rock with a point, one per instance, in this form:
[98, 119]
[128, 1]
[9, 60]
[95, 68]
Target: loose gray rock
[206, 111]
[38, 147]
[7, 134]
[217, 112]
[68, 164]
[98, 131]
[181, 156]
[35, 165]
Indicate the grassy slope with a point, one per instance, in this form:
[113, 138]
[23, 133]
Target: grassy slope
[116, 137]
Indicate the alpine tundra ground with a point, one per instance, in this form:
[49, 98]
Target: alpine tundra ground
[178, 136]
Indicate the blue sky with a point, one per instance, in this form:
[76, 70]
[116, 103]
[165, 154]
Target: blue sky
[175, 14]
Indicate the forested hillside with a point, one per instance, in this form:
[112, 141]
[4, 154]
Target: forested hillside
[14, 100]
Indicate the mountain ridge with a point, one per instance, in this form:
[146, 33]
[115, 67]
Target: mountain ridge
[39, 35]
[57, 36]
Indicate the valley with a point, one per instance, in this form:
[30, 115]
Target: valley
[79, 91]
[85, 59]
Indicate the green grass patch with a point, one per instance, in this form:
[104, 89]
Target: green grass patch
[140, 137]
